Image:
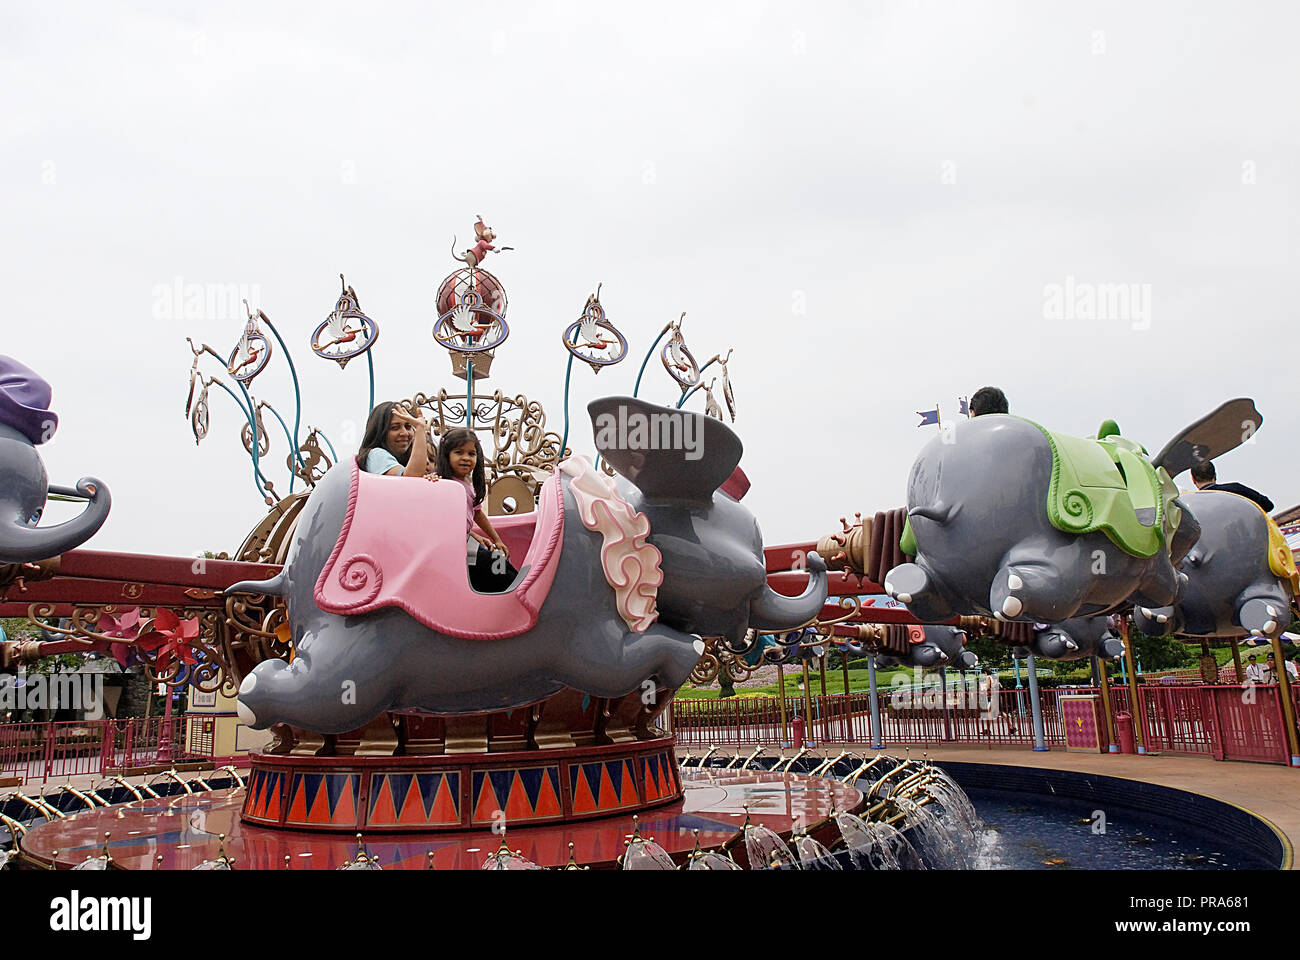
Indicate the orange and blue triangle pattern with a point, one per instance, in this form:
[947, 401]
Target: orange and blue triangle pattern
[262, 800]
[517, 793]
[414, 799]
[323, 800]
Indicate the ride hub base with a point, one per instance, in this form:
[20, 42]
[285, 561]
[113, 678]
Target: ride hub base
[459, 791]
[179, 833]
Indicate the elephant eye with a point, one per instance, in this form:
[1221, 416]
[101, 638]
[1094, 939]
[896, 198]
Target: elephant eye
[35, 518]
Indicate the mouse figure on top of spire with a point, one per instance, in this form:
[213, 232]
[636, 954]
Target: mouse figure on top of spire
[475, 254]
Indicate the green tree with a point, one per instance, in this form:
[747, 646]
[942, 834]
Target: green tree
[993, 653]
[1160, 653]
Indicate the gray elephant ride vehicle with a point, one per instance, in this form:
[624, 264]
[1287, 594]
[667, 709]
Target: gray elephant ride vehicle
[618, 580]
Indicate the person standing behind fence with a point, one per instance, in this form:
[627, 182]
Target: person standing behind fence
[1254, 672]
[1270, 671]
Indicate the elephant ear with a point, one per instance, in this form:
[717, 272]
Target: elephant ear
[1216, 433]
[667, 454]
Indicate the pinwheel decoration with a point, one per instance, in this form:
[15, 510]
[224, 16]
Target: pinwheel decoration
[126, 627]
[168, 637]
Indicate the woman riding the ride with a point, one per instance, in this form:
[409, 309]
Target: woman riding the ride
[395, 443]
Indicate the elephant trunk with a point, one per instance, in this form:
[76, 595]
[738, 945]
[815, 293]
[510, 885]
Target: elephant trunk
[772, 612]
[20, 543]
[274, 587]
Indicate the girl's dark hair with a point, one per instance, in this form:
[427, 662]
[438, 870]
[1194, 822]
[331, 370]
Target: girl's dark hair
[458, 437]
[376, 434]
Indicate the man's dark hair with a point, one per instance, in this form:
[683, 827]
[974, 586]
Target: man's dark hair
[988, 400]
[1203, 471]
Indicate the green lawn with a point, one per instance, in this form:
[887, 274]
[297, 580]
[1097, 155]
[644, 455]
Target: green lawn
[793, 678]
[884, 678]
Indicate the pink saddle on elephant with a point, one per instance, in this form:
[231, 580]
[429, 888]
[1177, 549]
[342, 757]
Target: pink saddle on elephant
[403, 545]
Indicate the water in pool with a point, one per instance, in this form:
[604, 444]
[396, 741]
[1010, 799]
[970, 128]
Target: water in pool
[1038, 833]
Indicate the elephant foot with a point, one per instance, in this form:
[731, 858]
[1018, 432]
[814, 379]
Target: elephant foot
[1111, 649]
[1027, 593]
[909, 584]
[1155, 621]
[1263, 618]
[906, 582]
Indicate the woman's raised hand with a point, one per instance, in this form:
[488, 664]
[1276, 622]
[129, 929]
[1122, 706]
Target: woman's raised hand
[416, 420]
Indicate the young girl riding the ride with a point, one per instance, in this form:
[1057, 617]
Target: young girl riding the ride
[395, 444]
[460, 458]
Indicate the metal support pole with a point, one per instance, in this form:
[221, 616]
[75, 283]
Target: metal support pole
[165, 735]
[1134, 703]
[846, 704]
[826, 720]
[1236, 660]
[780, 692]
[1284, 691]
[568, 374]
[1035, 705]
[807, 703]
[370, 367]
[943, 692]
[469, 394]
[1104, 685]
[876, 743]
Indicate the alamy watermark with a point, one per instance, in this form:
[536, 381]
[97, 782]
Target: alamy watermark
[923, 691]
[1074, 300]
[53, 691]
[635, 430]
[179, 300]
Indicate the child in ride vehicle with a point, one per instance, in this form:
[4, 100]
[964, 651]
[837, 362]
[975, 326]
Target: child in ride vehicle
[460, 458]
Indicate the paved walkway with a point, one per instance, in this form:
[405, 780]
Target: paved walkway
[1267, 790]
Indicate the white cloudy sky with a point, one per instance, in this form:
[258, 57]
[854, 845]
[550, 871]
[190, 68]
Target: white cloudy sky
[915, 175]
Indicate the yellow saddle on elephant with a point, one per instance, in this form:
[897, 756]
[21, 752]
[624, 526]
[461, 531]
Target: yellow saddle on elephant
[1109, 485]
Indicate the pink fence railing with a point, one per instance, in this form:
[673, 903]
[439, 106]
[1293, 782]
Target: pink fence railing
[57, 749]
[1225, 722]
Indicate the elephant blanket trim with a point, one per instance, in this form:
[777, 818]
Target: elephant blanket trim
[403, 545]
[1281, 561]
[1108, 485]
[631, 565]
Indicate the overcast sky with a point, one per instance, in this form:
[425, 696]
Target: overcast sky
[879, 206]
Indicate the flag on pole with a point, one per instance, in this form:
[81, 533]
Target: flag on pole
[963, 407]
[928, 417]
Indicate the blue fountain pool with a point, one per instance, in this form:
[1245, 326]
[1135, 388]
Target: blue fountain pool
[1048, 820]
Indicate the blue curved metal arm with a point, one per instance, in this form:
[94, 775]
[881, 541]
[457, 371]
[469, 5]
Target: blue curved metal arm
[333, 456]
[641, 372]
[687, 396]
[244, 390]
[252, 426]
[568, 372]
[297, 396]
[370, 366]
[287, 438]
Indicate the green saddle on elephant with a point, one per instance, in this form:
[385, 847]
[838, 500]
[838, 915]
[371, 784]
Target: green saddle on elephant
[1109, 485]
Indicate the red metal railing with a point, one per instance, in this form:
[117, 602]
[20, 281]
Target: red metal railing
[54, 749]
[1226, 722]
